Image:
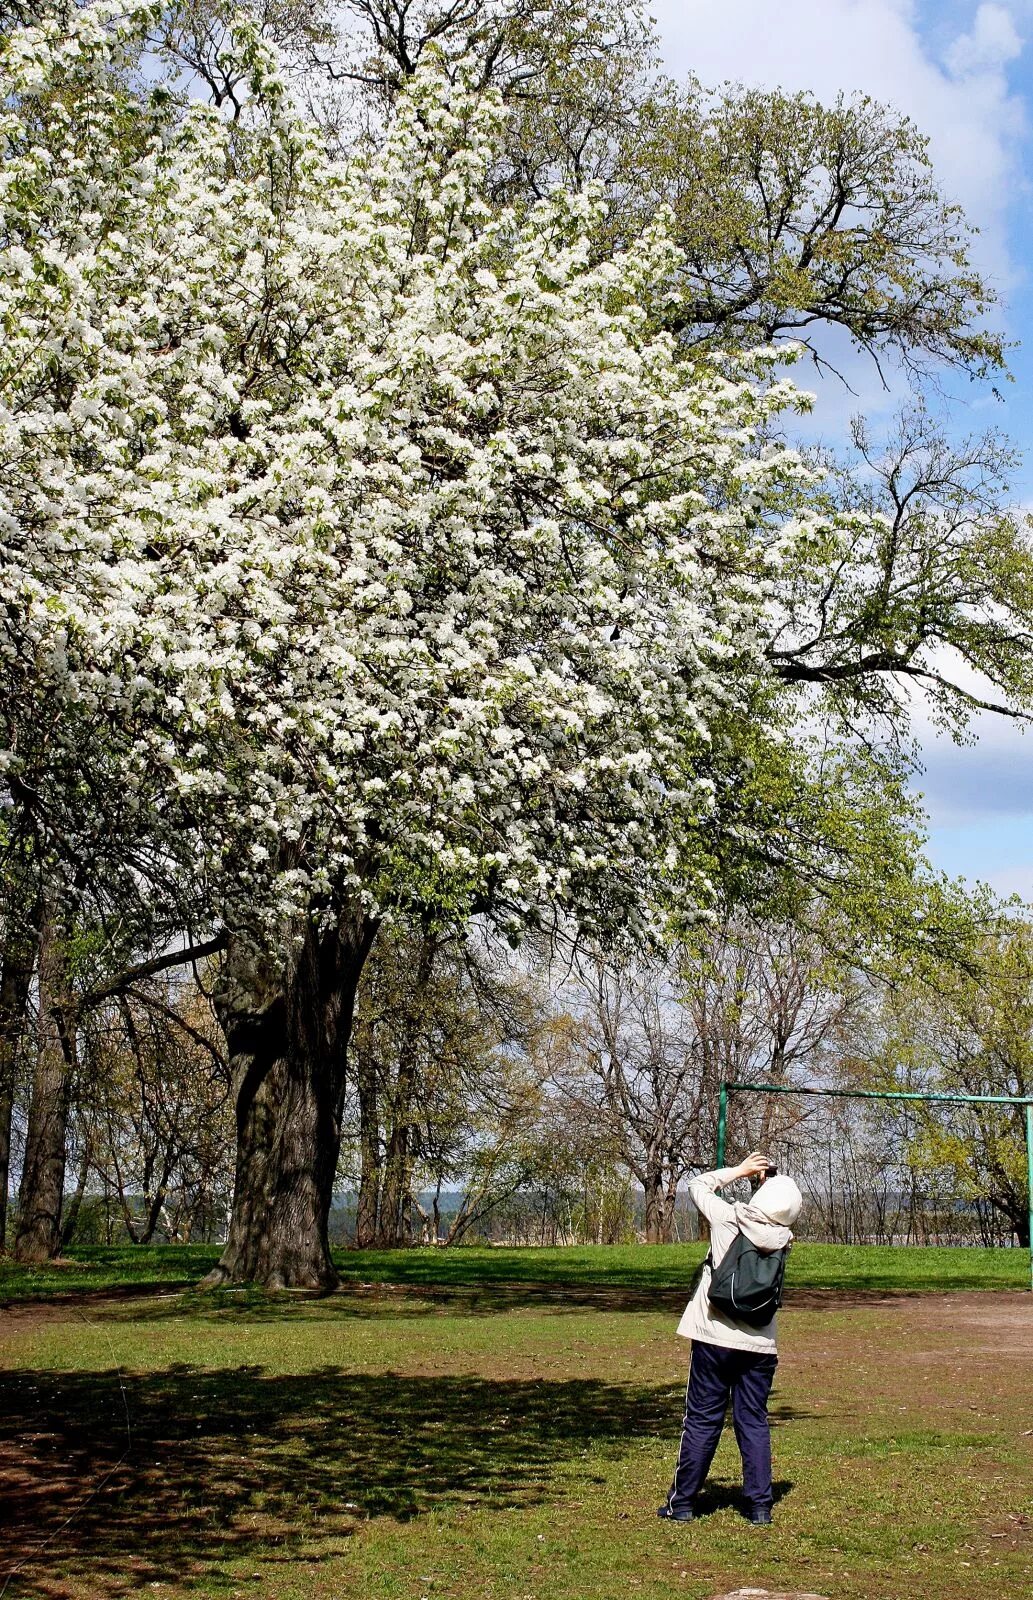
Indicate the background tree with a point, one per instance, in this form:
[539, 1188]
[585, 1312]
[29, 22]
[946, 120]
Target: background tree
[797, 218]
[639, 1069]
[447, 1087]
[152, 1120]
[794, 217]
[970, 1033]
[743, 1000]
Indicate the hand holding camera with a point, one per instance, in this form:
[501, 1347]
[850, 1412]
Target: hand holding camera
[756, 1167]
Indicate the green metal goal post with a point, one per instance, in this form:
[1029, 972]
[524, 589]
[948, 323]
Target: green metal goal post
[883, 1094]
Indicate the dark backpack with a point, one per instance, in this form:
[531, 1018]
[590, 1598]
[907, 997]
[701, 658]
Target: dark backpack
[747, 1285]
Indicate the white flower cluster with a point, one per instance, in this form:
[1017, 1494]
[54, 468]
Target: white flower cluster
[388, 546]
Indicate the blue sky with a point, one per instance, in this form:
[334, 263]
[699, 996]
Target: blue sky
[963, 71]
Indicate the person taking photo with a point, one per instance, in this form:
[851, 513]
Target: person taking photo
[730, 1321]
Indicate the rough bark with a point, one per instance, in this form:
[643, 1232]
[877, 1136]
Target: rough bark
[19, 962]
[287, 1033]
[660, 1185]
[40, 1197]
[1016, 1215]
[393, 1223]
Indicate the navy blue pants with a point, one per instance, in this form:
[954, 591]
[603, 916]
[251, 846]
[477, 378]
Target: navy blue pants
[715, 1374]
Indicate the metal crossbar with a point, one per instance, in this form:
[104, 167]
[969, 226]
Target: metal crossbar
[885, 1094]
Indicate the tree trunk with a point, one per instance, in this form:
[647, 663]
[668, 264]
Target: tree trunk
[71, 1216]
[370, 1173]
[153, 1215]
[1017, 1215]
[670, 1205]
[393, 1227]
[654, 1193]
[19, 962]
[287, 1032]
[43, 1176]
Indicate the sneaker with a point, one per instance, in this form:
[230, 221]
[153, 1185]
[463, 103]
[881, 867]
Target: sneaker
[665, 1514]
[760, 1519]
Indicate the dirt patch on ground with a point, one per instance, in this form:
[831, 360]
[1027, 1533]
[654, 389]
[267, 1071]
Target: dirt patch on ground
[998, 1323]
[1001, 1318]
[991, 1332]
[22, 1316]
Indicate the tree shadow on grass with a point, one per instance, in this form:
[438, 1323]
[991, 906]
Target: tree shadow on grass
[360, 1301]
[114, 1481]
[379, 1300]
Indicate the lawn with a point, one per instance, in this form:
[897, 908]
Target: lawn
[475, 1425]
[97, 1269]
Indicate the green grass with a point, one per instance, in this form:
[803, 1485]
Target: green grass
[500, 1425]
[669, 1267]
[98, 1268]
[652, 1269]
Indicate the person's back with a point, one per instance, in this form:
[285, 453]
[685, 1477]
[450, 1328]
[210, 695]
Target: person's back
[702, 1320]
[731, 1358]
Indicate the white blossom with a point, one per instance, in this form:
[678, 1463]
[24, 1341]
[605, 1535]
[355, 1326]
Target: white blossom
[394, 549]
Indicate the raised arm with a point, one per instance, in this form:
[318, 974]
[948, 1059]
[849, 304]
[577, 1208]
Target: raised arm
[703, 1188]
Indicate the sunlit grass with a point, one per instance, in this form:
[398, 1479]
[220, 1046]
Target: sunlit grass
[500, 1425]
[647, 1268]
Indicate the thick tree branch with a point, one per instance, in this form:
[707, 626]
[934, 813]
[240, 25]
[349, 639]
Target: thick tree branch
[149, 969]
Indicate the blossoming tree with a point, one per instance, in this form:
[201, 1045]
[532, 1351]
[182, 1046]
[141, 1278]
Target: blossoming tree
[394, 558]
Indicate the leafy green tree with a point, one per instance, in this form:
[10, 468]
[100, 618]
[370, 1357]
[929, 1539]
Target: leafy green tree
[796, 217]
[971, 1033]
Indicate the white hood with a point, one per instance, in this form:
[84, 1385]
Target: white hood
[778, 1199]
[759, 1231]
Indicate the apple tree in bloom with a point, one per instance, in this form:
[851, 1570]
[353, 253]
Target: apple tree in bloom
[390, 555]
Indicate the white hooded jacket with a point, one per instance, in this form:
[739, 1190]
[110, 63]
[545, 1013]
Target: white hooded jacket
[700, 1319]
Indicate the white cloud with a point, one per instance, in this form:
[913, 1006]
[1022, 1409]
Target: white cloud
[989, 781]
[1012, 880]
[993, 41]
